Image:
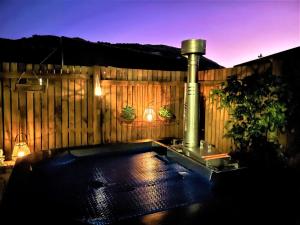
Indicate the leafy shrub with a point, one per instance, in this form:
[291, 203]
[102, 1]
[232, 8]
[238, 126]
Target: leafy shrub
[128, 113]
[257, 106]
[166, 113]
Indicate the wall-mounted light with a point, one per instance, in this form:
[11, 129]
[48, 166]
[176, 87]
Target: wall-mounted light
[98, 89]
[21, 148]
[149, 114]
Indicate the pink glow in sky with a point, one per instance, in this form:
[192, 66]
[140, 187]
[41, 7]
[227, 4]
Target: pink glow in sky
[236, 31]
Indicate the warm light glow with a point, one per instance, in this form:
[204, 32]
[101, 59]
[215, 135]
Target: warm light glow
[41, 81]
[20, 150]
[21, 154]
[98, 90]
[149, 115]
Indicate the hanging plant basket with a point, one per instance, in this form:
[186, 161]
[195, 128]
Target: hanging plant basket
[166, 115]
[127, 115]
[124, 120]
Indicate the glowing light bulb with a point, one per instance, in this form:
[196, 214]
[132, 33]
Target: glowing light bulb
[21, 154]
[41, 81]
[149, 117]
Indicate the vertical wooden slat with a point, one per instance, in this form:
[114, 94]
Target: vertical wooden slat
[178, 104]
[139, 74]
[163, 102]
[173, 108]
[159, 104]
[71, 112]
[45, 128]
[118, 110]
[107, 115]
[129, 102]
[140, 104]
[135, 106]
[96, 121]
[51, 101]
[124, 102]
[84, 113]
[37, 115]
[58, 114]
[30, 115]
[113, 73]
[15, 120]
[84, 106]
[90, 99]
[7, 114]
[129, 74]
[134, 74]
[65, 113]
[144, 123]
[22, 109]
[151, 97]
[78, 112]
[37, 121]
[113, 113]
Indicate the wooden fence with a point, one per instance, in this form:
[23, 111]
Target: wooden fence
[68, 113]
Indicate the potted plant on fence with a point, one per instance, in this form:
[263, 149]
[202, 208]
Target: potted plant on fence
[165, 114]
[127, 114]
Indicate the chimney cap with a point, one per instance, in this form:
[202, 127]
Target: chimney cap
[193, 46]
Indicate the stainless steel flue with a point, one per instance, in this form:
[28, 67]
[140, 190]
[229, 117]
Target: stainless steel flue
[192, 49]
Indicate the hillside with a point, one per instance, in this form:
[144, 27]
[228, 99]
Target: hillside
[77, 51]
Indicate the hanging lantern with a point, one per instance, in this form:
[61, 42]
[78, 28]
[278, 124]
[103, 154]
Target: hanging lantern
[149, 114]
[98, 90]
[21, 148]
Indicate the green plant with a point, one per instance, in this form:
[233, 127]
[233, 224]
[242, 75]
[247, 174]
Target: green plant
[128, 113]
[257, 107]
[166, 113]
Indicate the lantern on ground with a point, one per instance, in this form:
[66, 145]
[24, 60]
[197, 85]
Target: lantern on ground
[21, 148]
[149, 114]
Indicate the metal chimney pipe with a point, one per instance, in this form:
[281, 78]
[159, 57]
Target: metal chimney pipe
[192, 49]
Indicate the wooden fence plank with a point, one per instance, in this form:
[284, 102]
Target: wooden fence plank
[7, 114]
[96, 102]
[71, 112]
[118, 110]
[158, 105]
[65, 113]
[51, 108]
[45, 124]
[90, 91]
[124, 101]
[129, 102]
[58, 114]
[37, 121]
[113, 112]
[84, 114]
[15, 115]
[78, 115]
[106, 119]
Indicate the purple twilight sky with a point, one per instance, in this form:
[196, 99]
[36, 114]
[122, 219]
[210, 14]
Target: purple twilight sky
[236, 30]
